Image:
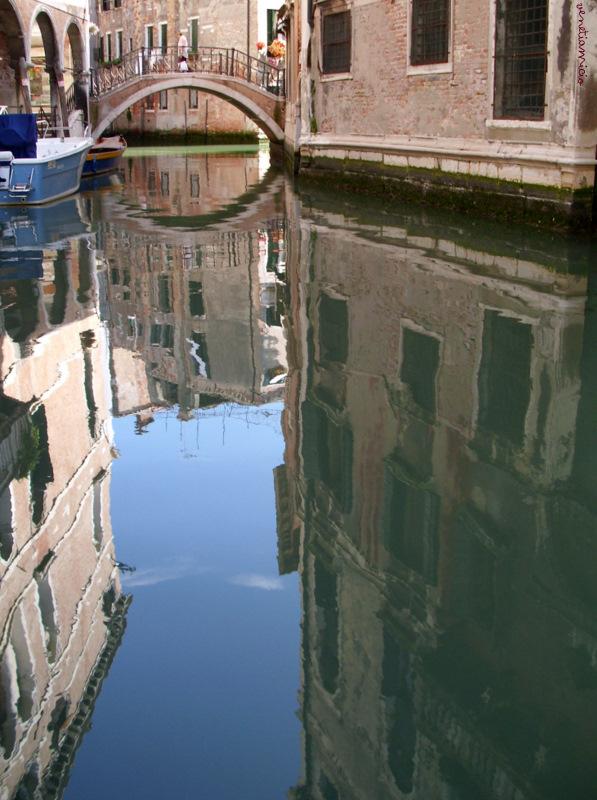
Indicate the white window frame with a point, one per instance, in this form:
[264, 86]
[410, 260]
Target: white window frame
[118, 47]
[189, 27]
[429, 69]
[146, 37]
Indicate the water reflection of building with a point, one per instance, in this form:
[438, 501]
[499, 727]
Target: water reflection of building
[435, 488]
[61, 608]
[195, 315]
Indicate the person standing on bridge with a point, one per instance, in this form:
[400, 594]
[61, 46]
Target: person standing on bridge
[183, 45]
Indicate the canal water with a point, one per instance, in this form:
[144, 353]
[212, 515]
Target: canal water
[297, 495]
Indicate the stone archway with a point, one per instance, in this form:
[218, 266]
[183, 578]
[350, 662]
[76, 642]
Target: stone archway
[43, 41]
[262, 108]
[75, 84]
[12, 57]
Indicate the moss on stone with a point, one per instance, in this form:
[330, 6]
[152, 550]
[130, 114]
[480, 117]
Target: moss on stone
[544, 206]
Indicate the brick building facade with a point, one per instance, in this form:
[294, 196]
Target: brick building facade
[498, 96]
[126, 25]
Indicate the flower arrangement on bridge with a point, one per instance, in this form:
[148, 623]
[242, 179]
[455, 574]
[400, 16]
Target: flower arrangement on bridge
[276, 49]
[260, 46]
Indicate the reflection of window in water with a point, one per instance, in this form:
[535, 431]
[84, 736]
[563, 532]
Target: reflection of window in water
[162, 335]
[326, 788]
[42, 473]
[401, 732]
[196, 305]
[164, 296]
[48, 615]
[87, 341]
[327, 451]
[477, 552]
[505, 376]
[165, 183]
[58, 307]
[410, 520]
[420, 362]
[333, 329]
[328, 627]
[194, 179]
[198, 354]
[6, 529]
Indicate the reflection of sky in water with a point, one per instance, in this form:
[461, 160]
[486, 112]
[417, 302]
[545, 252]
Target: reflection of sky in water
[201, 699]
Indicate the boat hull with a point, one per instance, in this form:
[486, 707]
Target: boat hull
[104, 158]
[54, 174]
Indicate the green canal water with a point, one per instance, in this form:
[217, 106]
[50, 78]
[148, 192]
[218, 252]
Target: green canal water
[297, 495]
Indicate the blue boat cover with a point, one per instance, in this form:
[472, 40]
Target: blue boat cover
[18, 133]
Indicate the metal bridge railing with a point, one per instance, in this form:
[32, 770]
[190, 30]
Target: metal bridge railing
[204, 61]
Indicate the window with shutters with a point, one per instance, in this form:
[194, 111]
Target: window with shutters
[336, 41]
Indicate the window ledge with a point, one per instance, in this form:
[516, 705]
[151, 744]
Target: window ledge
[429, 69]
[531, 124]
[337, 76]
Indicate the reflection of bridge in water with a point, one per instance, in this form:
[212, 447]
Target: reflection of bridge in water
[250, 84]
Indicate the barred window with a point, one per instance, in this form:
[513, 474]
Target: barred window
[163, 101]
[520, 59]
[193, 98]
[336, 42]
[430, 32]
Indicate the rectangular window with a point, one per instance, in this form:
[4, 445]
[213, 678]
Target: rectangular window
[163, 101]
[333, 329]
[149, 103]
[130, 44]
[193, 98]
[196, 305]
[198, 354]
[336, 36]
[109, 46]
[505, 376]
[194, 180]
[117, 3]
[430, 32]
[164, 36]
[164, 294]
[105, 5]
[119, 44]
[165, 183]
[271, 24]
[102, 49]
[420, 362]
[149, 36]
[194, 29]
[520, 59]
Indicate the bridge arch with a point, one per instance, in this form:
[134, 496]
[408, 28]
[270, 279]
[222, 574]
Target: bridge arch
[253, 102]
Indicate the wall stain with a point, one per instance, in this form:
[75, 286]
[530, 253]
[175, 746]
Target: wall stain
[587, 111]
[565, 37]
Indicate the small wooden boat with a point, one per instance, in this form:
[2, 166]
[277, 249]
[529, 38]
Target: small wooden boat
[36, 171]
[104, 155]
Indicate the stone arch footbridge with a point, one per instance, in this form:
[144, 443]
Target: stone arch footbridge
[252, 85]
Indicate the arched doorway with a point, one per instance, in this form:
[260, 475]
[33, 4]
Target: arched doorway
[44, 56]
[74, 69]
[12, 56]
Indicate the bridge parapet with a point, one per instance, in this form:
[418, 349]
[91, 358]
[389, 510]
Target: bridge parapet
[221, 61]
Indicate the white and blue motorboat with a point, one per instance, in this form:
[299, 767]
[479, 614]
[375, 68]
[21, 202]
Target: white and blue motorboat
[36, 171]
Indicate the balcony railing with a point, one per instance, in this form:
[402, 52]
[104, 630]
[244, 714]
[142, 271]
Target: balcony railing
[223, 61]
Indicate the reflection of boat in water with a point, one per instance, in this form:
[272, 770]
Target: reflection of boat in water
[34, 172]
[104, 155]
[26, 231]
